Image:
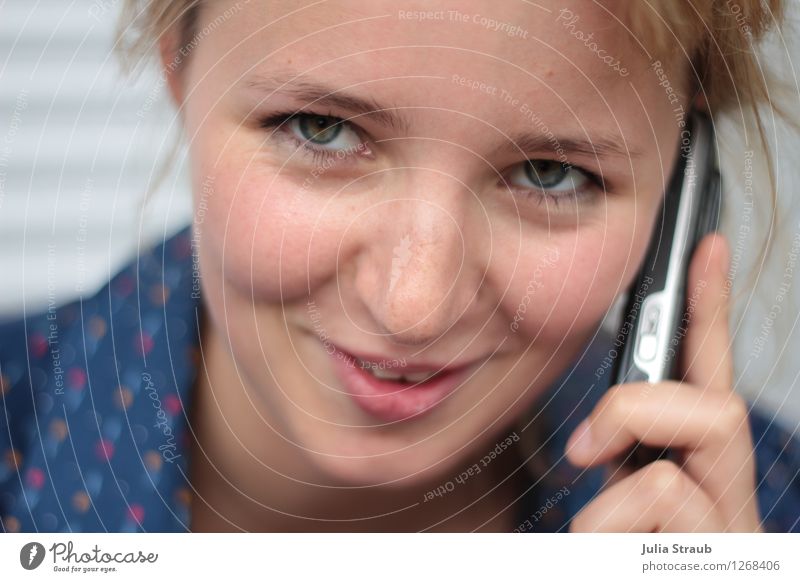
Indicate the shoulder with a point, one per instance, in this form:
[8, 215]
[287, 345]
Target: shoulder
[777, 451]
[92, 387]
[52, 333]
[163, 262]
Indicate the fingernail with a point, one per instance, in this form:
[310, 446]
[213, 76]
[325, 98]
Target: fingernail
[580, 442]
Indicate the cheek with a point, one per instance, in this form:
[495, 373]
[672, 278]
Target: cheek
[573, 280]
[265, 234]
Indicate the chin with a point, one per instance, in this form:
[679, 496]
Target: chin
[359, 461]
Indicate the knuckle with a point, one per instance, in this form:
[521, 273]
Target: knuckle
[736, 410]
[618, 402]
[731, 418]
[663, 482]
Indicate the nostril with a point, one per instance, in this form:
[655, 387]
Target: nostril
[405, 323]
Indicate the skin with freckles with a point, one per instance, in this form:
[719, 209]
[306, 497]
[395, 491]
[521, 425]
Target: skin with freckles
[420, 230]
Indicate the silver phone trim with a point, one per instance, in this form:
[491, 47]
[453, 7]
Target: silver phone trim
[656, 368]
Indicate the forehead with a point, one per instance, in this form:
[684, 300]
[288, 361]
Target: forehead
[571, 58]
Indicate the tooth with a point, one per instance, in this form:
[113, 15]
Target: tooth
[418, 377]
[384, 374]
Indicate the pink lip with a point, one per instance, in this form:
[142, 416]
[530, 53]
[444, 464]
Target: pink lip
[393, 401]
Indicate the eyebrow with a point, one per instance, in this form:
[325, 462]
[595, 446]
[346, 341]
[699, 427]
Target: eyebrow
[601, 146]
[318, 93]
[303, 89]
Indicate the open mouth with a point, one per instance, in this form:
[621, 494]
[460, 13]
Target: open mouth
[389, 391]
[398, 376]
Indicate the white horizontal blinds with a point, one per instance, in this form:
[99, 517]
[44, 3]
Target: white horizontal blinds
[78, 146]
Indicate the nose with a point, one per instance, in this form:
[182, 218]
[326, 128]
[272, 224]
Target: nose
[421, 266]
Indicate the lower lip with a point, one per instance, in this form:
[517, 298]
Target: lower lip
[392, 401]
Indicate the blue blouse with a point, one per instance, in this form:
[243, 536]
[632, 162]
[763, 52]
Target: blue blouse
[93, 424]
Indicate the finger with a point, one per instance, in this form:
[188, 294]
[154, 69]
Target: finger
[711, 427]
[706, 354]
[659, 497]
[666, 414]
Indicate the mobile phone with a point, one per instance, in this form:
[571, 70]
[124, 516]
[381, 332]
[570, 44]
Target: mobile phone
[654, 319]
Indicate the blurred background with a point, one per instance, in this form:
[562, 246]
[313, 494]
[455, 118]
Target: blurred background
[80, 146]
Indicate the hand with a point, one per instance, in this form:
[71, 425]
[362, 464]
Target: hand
[702, 418]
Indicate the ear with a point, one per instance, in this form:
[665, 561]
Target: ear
[173, 64]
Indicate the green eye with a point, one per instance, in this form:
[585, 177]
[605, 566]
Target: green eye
[319, 129]
[555, 182]
[546, 173]
[550, 176]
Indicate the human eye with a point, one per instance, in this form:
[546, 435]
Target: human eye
[555, 182]
[323, 137]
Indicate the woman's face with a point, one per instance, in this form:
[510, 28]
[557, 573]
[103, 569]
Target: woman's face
[415, 231]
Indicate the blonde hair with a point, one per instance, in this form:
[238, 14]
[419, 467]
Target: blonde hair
[716, 36]
[719, 39]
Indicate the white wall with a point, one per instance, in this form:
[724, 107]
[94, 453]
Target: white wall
[79, 147]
